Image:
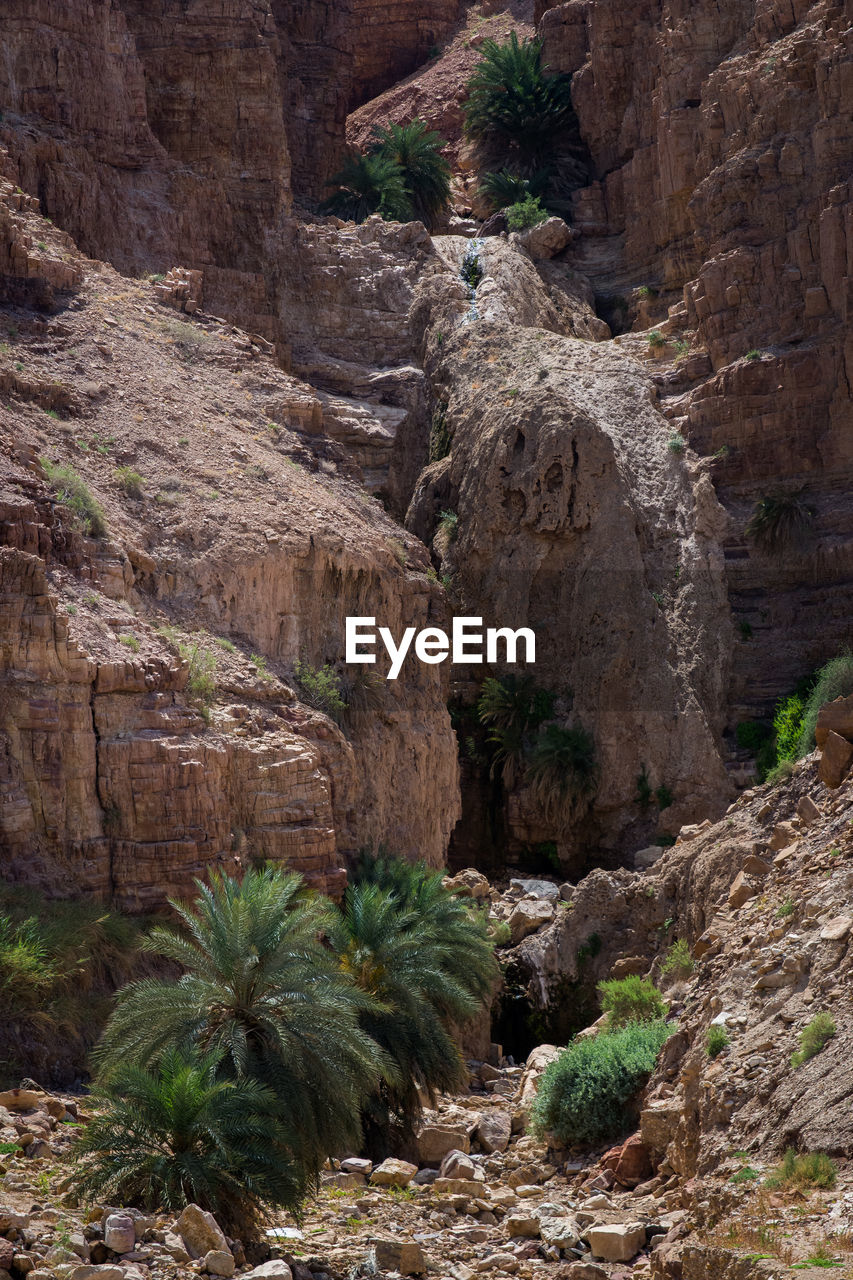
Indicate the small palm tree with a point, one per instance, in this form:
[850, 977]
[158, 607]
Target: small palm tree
[512, 707]
[781, 522]
[372, 183]
[261, 990]
[425, 959]
[562, 773]
[416, 149]
[512, 103]
[180, 1134]
[505, 188]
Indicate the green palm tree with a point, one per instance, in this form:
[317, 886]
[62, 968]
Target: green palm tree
[512, 707]
[416, 149]
[562, 773]
[261, 990]
[425, 959]
[371, 183]
[505, 188]
[512, 104]
[181, 1134]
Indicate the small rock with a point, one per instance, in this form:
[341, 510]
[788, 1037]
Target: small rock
[404, 1256]
[836, 930]
[355, 1164]
[457, 1164]
[494, 1131]
[529, 915]
[219, 1262]
[523, 1225]
[275, 1269]
[807, 810]
[120, 1233]
[739, 893]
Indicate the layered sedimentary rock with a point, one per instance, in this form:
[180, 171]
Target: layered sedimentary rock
[722, 149]
[150, 714]
[158, 134]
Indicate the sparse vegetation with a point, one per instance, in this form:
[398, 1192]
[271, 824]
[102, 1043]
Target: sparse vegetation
[786, 909]
[585, 1096]
[259, 662]
[448, 525]
[130, 641]
[656, 340]
[471, 270]
[804, 1172]
[678, 962]
[320, 687]
[631, 999]
[753, 354]
[72, 491]
[506, 189]
[130, 482]
[440, 434]
[814, 1037]
[201, 680]
[676, 443]
[781, 522]
[717, 1039]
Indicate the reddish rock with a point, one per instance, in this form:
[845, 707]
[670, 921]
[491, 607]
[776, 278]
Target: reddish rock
[634, 1165]
[835, 759]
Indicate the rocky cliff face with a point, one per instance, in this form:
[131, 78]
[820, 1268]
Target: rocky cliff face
[722, 151]
[150, 727]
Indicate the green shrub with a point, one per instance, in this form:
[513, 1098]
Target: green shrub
[526, 213]
[73, 492]
[664, 796]
[814, 1037]
[585, 1096]
[505, 189]
[201, 679]
[780, 522]
[130, 641]
[439, 435]
[448, 524]
[320, 687]
[416, 150]
[786, 909]
[716, 1040]
[834, 680]
[130, 481]
[753, 354]
[367, 184]
[512, 104]
[631, 999]
[180, 1134]
[644, 788]
[259, 662]
[815, 1169]
[679, 962]
[676, 443]
[656, 339]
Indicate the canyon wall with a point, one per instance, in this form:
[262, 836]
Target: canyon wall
[722, 143]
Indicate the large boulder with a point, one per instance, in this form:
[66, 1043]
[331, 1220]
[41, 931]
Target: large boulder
[494, 1131]
[547, 238]
[457, 1164]
[835, 717]
[435, 1141]
[529, 915]
[200, 1231]
[617, 1242]
[835, 759]
[393, 1173]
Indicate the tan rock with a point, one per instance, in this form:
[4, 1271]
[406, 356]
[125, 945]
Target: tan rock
[494, 1131]
[742, 889]
[200, 1231]
[521, 1224]
[836, 930]
[393, 1173]
[617, 1242]
[529, 915]
[835, 759]
[434, 1142]
[404, 1256]
[807, 810]
[219, 1262]
[835, 717]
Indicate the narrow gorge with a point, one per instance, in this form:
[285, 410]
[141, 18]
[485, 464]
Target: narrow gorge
[231, 420]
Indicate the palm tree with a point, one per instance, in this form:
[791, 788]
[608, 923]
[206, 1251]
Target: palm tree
[425, 959]
[181, 1134]
[781, 522]
[416, 149]
[512, 104]
[512, 707]
[372, 183]
[562, 773]
[505, 188]
[261, 990]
